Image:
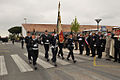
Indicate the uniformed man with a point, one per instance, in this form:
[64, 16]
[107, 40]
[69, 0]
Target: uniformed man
[35, 51]
[54, 47]
[46, 42]
[93, 40]
[22, 41]
[81, 43]
[27, 41]
[71, 47]
[87, 44]
[99, 44]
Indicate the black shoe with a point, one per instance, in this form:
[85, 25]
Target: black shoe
[55, 65]
[118, 61]
[47, 60]
[114, 61]
[68, 59]
[74, 61]
[30, 62]
[35, 68]
[63, 58]
[58, 55]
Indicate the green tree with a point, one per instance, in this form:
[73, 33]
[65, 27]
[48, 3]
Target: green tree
[15, 30]
[75, 26]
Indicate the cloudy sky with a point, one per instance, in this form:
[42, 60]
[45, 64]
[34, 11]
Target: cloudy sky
[13, 12]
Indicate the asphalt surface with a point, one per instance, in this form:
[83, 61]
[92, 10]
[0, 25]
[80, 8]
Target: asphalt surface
[14, 66]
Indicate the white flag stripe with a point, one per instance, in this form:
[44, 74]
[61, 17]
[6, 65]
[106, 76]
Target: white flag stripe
[3, 69]
[43, 63]
[58, 60]
[22, 65]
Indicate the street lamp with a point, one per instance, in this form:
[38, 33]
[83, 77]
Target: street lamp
[25, 19]
[98, 21]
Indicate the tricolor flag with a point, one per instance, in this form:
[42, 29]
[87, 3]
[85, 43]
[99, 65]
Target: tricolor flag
[59, 28]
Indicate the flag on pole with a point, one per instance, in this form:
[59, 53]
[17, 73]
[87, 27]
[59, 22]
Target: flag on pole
[59, 28]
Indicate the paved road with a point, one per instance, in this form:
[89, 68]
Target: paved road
[14, 66]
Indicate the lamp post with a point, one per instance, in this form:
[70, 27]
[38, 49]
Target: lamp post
[25, 19]
[98, 21]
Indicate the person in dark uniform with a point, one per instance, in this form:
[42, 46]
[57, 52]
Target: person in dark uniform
[61, 45]
[71, 47]
[35, 51]
[54, 47]
[27, 41]
[99, 44]
[46, 42]
[13, 40]
[22, 41]
[87, 44]
[93, 40]
[116, 38]
[81, 43]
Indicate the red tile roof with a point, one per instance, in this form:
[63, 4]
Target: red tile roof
[51, 27]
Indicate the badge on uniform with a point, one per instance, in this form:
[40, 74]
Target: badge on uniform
[80, 39]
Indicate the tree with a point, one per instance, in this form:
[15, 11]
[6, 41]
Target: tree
[15, 30]
[75, 26]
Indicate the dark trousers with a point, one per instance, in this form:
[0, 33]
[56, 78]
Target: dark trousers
[54, 53]
[117, 52]
[99, 52]
[70, 54]
[60, 51]
[29, 52]
[35, 56]
[46, 46]
[22, 45]
[87, 50]
[81, 48]
[93, 51]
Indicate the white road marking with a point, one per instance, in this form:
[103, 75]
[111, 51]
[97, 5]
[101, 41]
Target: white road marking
[42, 63]
[3, 69]
[22, 65]
[58, 60]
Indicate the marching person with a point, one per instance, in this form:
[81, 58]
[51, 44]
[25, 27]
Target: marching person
[87, 44]
[71, 47]
[81, 43]
[46, 42]
[34, 47]
[54, 47]
[93, 45]
[22, 41]
[27, 41]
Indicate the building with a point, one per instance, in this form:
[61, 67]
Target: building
[51, 27]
